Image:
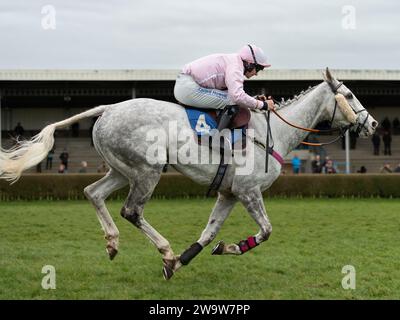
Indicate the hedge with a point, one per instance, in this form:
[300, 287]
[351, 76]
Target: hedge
[70, 186]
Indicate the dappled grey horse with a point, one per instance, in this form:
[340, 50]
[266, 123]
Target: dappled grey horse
[121, 137]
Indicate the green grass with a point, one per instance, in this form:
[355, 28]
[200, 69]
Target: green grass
[312, 240]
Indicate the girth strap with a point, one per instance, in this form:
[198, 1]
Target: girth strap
[219, 176]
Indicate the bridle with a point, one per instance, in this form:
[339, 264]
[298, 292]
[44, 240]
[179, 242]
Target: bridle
[360, 126]
[342, 130]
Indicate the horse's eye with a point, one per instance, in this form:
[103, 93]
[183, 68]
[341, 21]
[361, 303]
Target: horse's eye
[349, 95]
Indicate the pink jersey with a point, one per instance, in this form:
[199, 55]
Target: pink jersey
[222, 72]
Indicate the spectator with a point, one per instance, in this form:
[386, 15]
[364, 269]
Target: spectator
[83, 168]
[102, 168]
[19, 130]
[387, 141]
[329, 167]
[376, 141]
[397, 169]
[64, 159]
[386, 168]
[327, 158]
[362, 170]
[296, 164]
[316, 165]
[386, 124]
[49, 159]
[396, 126]
[61, 168]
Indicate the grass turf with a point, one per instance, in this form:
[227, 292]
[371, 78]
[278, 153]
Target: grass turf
[312, 240]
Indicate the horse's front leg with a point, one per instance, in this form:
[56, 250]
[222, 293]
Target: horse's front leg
[220, 212]
[254, 204]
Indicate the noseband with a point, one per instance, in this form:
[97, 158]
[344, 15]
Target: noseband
[359, 125]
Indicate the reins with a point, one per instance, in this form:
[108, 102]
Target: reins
[320, 144]
[342, 130]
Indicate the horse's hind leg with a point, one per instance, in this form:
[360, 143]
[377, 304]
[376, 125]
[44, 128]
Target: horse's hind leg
[97, 193]
[139, 194]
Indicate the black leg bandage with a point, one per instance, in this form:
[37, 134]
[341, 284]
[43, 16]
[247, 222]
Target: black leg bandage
[190, 253]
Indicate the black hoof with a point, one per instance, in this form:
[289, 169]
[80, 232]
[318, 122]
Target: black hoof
[219, 248]
[167, 272]
[112, 252]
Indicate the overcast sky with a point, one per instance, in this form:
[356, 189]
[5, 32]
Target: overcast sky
[166, 34]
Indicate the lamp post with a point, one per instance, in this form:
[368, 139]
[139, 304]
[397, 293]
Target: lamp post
[347, 144]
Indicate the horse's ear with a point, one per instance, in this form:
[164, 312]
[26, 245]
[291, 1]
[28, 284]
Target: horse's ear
[327, 76]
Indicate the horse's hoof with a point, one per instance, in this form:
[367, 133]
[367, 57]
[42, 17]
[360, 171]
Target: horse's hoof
[167, 272]
[219, 248]
[112, 252]
[168, 269]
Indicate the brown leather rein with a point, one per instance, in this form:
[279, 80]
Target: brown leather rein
[314, 131]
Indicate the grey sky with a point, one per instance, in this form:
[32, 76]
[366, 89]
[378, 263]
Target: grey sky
[162, 34]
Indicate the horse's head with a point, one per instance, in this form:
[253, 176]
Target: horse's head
[351, 110]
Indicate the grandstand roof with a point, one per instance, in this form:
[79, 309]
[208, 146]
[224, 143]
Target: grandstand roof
[170, 75]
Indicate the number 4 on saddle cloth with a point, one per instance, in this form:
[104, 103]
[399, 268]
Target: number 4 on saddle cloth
[203, 121]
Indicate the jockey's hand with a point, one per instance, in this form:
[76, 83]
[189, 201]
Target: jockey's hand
[261, 97]
[268, 105]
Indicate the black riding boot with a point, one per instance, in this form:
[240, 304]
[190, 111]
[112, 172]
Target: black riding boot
[224, 120]
[226, 116]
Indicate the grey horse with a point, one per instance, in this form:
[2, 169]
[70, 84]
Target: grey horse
[120, 136]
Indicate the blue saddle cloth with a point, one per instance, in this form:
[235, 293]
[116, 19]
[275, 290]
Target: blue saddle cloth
[202, 123]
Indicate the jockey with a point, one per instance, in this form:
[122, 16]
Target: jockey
[216, 82]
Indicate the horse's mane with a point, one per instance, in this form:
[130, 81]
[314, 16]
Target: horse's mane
[285, 103]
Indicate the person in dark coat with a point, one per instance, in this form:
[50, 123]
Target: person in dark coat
[363, 169]
[316, 165]
[376, 141]
[19, 130]
[64, 156]
[387, 141]
[386, 124]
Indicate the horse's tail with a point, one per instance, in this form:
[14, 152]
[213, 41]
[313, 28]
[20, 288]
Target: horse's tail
[26, 154]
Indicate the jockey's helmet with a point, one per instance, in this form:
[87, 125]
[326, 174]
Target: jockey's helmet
[254, 56]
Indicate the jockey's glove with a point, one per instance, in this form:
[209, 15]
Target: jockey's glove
[266, 107]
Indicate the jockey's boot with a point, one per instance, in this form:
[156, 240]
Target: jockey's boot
[225, 119]
[226, 116]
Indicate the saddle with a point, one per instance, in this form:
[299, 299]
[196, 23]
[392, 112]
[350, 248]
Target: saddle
[203, 121]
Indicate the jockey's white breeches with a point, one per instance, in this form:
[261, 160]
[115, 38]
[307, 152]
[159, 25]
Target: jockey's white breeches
[188, 92]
